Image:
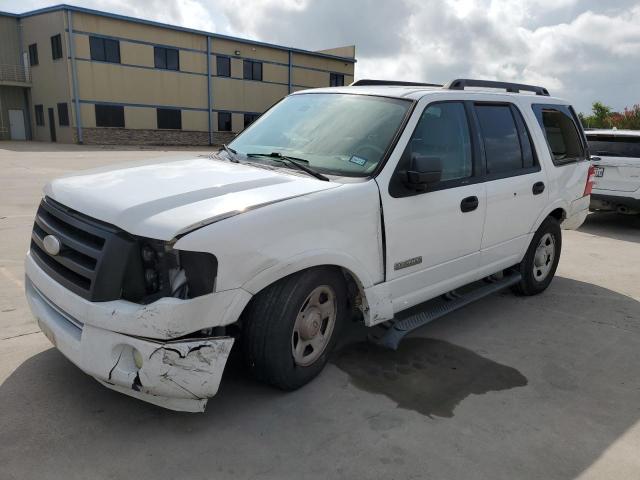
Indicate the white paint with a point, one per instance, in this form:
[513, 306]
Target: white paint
[263, 225]
[16, 125]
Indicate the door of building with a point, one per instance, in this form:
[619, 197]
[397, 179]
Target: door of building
[16, 125]
[52, 125]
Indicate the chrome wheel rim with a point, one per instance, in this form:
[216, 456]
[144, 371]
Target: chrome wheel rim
[544, 257]
[314, 325]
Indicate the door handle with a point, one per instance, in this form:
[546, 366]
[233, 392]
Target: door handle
[538, 188]
[468, 204]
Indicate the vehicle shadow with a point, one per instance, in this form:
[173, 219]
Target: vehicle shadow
[553, 385]
[613, 225]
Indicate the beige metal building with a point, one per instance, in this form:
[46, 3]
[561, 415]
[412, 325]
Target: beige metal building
[71, 74]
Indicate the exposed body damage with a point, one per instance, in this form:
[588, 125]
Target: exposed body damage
[172, 370]
[175, 374]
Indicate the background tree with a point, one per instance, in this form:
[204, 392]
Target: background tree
[603, 116]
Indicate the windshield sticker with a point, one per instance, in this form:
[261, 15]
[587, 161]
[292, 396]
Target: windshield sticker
[358, 160]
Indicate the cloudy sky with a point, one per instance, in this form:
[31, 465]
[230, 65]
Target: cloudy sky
[580, 50]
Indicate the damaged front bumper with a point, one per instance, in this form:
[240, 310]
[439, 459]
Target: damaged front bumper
[176, 374]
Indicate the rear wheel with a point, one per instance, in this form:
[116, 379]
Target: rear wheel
[541, 260]
[290, 328]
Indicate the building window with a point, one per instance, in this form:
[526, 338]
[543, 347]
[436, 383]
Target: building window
[249, 118]
[39, 115]
[56, 47]
[33, 54]
[252, 70]
[223, 66]
[224, 121]
[169, 118]
[166, 58]
[110, 116]
[336, 80]
[63, 115]
[104, 49]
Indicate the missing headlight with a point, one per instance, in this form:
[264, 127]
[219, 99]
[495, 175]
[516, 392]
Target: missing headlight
[159, 271]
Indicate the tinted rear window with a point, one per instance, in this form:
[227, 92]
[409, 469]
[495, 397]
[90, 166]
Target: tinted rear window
[501, 142]
[612, 146]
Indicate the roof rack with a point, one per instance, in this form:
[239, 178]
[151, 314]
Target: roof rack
[371, 82]
[461, 83]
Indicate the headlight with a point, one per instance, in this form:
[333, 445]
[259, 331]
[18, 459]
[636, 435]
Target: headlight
[161, 271]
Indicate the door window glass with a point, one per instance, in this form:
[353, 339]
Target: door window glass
[443, 132]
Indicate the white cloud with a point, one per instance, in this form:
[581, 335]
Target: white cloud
[582, 50]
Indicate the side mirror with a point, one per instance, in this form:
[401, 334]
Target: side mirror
[423, 170]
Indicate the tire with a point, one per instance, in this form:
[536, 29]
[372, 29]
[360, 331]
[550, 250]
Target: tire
[293, 307]
[538, 270]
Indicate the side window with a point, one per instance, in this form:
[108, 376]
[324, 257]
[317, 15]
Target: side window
[109, 116]
[39, 109]
[336, 80]
[224, 121]
[252, 70]
[33, 54]
[443, 132]
[223, 66]
[104, 49]
[502, 147]
[166, 58]
[63, 115]
[563, 138]
[56, 47]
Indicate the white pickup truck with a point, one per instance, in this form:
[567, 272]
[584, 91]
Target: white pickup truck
[368, 199]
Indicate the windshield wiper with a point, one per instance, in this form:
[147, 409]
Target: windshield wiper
[299, 163]
[231, 153]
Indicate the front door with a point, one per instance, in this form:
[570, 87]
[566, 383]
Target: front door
[16, 125]
[433, 237]
[52, 125]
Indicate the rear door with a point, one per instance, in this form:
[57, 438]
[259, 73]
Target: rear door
[617, 163]
[517, 190]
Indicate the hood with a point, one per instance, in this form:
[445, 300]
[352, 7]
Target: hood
[163, 200]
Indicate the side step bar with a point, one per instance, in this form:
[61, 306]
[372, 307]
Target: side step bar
[397, 329]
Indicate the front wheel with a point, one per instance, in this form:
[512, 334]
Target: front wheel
[541, 260]
[290, 328]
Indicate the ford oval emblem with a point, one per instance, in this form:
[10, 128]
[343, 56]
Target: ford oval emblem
[51, 245]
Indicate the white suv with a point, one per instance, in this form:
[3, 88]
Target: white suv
[371, 198]
[616, 185]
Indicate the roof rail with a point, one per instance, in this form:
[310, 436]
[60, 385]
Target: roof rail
[371, 82]
[461, 83]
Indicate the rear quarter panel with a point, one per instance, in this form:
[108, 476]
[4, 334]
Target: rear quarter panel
[565, 183]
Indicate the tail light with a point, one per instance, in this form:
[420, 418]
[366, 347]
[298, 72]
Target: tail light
[589, 185]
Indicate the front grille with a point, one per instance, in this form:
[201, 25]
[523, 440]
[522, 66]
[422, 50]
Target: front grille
[93, 257]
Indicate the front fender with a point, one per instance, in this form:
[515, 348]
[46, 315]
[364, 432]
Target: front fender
[309, 259]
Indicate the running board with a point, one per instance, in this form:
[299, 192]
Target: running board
[397, 329]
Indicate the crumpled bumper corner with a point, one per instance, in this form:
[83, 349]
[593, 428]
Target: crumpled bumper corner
[175, 374]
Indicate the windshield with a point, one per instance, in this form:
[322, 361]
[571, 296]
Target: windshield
[338, 134]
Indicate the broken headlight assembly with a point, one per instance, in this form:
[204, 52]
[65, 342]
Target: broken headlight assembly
[157, 270]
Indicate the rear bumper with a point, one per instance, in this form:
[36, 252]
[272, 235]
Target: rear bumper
[174, 374]
[600, 201]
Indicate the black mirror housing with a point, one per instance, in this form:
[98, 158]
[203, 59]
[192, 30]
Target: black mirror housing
[423, 170]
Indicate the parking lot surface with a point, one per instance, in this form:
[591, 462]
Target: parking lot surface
[507, 388]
